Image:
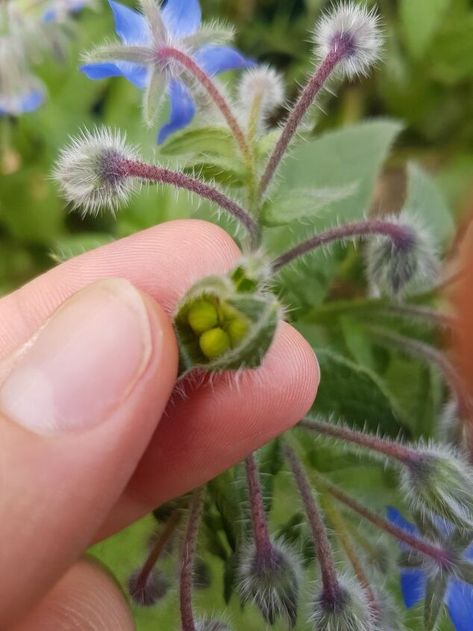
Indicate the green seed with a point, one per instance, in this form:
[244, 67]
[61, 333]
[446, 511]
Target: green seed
[202, 316]
[214, 343]
[237, 329]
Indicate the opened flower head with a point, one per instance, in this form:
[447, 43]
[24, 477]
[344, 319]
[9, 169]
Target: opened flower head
[458, 595]
[144, 56]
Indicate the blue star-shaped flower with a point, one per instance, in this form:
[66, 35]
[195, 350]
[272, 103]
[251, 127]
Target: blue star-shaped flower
[177, 24]
[458, 595]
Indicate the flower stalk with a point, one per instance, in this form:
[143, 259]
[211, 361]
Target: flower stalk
[258, 517]
[187, 560]
[439, 555]
[401, 236]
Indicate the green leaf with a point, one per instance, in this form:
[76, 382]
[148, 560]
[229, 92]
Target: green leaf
[420, 21]
[206, 140]
[354, 394]
[425, 200]
[338, 159]
[303, 203]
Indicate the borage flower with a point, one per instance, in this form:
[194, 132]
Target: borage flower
[458, 594]
[152, 56]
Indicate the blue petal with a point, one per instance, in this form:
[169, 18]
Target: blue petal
[182, 110]
[32, 101]
[215, 59]
[413, 585]
[398, 520]
[182, 17]
[138, 75]
[131, 26]
[460, 605]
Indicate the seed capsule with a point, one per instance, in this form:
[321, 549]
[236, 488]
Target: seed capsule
[202, 316]
[214, 343]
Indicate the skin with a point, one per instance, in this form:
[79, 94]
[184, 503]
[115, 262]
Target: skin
[61, 493]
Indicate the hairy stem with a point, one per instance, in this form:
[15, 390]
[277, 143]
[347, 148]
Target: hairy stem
[400, 235]
[439, 555]
[187, 560]
[388, 448]
[168, 52]
[161, 175]
[304, 102]
[331, 585]
[258, 516]
[157, 549]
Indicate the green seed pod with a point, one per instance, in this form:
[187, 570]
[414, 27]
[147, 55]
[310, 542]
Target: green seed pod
[202, 316]
[227, 322]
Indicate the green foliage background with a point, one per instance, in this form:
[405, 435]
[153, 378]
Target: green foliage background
[417, 152]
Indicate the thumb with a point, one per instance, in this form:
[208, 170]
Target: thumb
[78, 406]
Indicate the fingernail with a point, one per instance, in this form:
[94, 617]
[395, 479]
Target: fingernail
[83, 363]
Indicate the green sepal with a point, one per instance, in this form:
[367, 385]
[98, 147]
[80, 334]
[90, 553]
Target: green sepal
[434, 598]
[247, 313]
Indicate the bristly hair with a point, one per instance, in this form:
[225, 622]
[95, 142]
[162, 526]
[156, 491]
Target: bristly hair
[355, 25]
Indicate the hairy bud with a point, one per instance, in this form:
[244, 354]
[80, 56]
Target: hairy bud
[440, 482]
[227, 322]
[91, 170]
[146, 592]
[394, 265]
[354, 29]
[270, 580]
[261, 91]
[347, 611]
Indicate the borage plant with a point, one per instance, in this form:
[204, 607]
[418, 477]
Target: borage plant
[227, 323]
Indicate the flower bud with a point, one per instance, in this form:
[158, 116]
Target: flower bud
[91, 170]
[353, 29]
[146, 592]
[261, 88]
[270, 580]
[347, 611]
[227, 322]
[396, 264]
[440, 482]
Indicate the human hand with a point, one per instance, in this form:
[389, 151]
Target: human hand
[88, 442]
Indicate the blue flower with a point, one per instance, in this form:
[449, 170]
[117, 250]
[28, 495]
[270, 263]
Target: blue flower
[458, 595]
[142, 35]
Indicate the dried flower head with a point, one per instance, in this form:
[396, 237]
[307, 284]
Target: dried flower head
[271, 581]
[348, 611]
[91, 170]
[356, 29]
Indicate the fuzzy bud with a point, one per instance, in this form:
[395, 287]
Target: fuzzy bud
[91, 171]
[270, 579]
[227, 322]
[347, 611]
[396, 264]
[440, 482]
[353, 29]
[148, 591]
[261, 87]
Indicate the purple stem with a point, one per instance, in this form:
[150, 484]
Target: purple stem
[258, 516]
[439, 555]
[305, 100]
[331, 585]
[396, 451]
[151, 172]
[402, 237]
[168, 52]
[187, 561]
